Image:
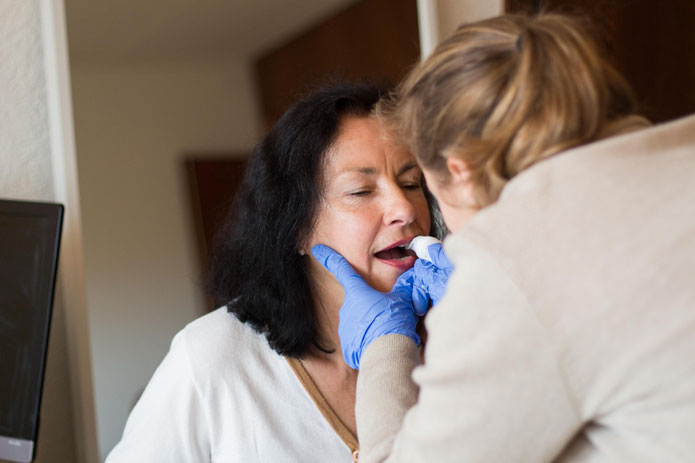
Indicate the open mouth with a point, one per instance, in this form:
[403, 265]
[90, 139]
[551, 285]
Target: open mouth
[396, 253]
[397, 256]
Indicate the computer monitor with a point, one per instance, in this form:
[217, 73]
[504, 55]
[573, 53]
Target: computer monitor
[29, 242]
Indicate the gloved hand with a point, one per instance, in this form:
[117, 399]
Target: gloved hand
[430, 278]
[366, 313]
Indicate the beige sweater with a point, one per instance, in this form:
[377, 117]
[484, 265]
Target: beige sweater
[568, 329]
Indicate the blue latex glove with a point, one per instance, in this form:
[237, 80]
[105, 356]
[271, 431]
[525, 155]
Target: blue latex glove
[431, 278]
[366, 313]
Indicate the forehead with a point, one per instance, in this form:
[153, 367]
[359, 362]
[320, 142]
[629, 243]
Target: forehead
[363, 142]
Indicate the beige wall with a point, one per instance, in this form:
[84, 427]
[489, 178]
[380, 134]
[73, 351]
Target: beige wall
[26, 172]
[439, 18]
[133, 125]
[25, 158]
[451, 13]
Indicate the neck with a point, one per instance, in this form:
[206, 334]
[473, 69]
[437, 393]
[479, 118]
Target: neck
[328, 298]
[327, 308]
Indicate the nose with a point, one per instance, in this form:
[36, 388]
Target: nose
[398, 208]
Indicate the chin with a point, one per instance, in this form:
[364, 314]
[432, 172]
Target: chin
[386, 281]
[384, 275]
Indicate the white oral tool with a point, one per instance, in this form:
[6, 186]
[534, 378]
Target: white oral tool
[419, 245]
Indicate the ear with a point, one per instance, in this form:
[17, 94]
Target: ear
[461, 178]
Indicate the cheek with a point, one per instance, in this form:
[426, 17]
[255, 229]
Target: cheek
[422, 217]
[351, 233]
[449, 217]
[456, 217]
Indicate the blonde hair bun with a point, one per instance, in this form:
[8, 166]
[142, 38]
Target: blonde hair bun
[507, 92]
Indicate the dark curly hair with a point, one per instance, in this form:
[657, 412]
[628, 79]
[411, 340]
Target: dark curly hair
[255, 266]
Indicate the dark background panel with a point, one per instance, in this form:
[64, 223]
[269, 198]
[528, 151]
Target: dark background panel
[651, 43]
[373, 39]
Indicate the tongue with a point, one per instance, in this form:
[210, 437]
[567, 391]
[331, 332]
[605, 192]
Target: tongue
[393, 253]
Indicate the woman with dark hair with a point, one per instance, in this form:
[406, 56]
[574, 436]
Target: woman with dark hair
[263, 378]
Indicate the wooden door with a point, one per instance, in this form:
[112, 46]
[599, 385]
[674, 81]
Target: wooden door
[213, 181]
[651, 43]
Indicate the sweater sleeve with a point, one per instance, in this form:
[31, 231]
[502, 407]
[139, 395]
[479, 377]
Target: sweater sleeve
[492, 388]
[394, 392]
[168, 424]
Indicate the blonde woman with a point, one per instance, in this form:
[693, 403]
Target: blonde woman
[567, 330]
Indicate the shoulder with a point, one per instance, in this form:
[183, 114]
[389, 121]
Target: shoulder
[217, 329]
[484, 277]
[218, 343]
[580, 202]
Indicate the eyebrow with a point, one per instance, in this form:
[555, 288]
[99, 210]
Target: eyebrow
[372, 171]
[406, 167]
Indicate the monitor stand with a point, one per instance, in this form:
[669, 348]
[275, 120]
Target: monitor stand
[14, 449]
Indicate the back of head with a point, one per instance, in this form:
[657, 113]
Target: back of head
[506, 92]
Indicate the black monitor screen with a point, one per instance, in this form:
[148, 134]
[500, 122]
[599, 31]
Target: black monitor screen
[29, 241]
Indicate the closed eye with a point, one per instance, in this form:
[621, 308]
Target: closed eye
[360, 193]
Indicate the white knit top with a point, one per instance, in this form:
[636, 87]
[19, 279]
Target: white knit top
[222, 395]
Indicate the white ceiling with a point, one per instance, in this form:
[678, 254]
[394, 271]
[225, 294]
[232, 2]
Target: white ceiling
[172, 30]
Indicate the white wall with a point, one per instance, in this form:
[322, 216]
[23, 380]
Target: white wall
[439, 18]
[133, 125]
[25, 157]
[26, 173]
[452, 13]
